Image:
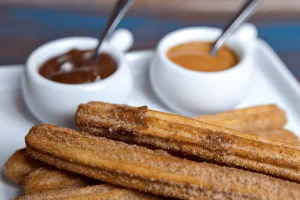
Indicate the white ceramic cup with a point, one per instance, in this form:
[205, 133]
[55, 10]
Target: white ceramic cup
[191, 92]
[52, 102]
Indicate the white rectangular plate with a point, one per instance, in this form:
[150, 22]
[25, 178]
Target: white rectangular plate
[272, 83]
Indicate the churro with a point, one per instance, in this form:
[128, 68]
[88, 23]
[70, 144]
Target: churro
[36, 176]
[19, 165]
[97, 192]
[249, 119]
[45, 179]
[191, 137]
[149, 170]
[266, 121]
[282, 135]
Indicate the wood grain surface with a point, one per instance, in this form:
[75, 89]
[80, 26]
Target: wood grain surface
[27, 24]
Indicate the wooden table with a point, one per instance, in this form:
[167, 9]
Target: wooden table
[25, 27]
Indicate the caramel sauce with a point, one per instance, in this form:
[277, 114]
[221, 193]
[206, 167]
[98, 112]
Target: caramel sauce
[195, 56]
[75, 67]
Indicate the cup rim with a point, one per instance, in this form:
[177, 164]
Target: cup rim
[32, 69]
[162, 51]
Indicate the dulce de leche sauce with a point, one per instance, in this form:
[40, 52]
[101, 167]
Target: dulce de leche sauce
[195, 56]
[75, 67]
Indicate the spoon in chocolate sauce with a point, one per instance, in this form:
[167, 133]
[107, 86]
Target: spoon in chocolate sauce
[118, 13]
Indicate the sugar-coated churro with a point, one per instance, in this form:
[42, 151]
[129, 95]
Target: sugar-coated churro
[36, 176]
[190, 137]
[46, 179]
[249, 119]
[19, 165]
[148, 170]
[97, 192]
[282, 135]
[266, 121]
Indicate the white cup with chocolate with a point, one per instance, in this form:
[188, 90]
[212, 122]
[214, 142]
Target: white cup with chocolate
[60, 75]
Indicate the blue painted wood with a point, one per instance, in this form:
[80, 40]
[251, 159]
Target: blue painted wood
[23, 28]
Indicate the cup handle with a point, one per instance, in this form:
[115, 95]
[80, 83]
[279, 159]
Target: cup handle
[247, 32]
[122, 39]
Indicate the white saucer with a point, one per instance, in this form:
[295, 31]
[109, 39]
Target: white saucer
[273, 83]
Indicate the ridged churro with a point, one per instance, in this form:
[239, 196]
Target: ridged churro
[249, 119]
[190, 137]
[36, 176]
[45, 179]
[266, 121]
[19, 165]
[97, 192]
[282, 135]
[148, 170]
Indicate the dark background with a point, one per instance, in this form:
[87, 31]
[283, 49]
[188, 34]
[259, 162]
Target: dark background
[26, 24]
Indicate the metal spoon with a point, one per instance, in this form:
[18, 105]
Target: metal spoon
[118, 13]
[242, 16]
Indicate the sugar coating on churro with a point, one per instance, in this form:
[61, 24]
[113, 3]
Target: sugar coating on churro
[248, 119]
[266, 121]
[150, 171]
[190, 137]
[46, 179]
[282, 135]
[99, 192]
[19, 165]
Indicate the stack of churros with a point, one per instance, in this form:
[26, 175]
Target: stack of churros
[125, 152]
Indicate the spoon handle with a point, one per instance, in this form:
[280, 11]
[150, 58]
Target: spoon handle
[242, 16]
[118, 13]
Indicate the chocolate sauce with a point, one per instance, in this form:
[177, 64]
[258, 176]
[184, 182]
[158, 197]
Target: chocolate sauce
[75, 67]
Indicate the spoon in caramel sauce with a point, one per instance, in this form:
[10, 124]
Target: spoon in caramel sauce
[242, 16]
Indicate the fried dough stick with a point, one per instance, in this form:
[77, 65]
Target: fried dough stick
[47, 179]
[266, 121]
[36, 176]
[249, 119]
[150, 171]
[97, 192]
[19, 165]
[191, 137]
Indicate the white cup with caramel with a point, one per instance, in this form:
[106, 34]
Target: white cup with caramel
[190, 81]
